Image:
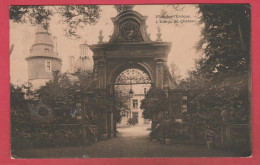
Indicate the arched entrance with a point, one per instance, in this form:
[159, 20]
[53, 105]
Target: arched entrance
[117, 70]
[129, 46]
[129, 90]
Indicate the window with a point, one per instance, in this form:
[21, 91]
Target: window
[135, 103]
[135, 115]
[145, 91]
[48, 66]
[46, 49]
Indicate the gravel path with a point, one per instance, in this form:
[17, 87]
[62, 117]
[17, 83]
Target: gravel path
[133, 142]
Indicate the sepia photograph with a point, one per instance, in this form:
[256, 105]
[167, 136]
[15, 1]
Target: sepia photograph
[130, 81]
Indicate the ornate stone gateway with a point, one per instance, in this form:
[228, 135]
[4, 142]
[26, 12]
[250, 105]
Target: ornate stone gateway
[129, 47]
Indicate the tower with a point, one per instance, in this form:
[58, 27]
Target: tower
[83, 62]
[43, 58]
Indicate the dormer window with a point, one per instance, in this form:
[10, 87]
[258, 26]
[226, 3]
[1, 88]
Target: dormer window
[48, 66]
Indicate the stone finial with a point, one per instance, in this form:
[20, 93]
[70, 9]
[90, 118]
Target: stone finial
[224, 115]
[159, 34]
[158, 29]
[100, 37]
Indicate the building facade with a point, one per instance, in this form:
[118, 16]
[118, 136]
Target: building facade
[134, 105]
[43, 59]
[136, 112]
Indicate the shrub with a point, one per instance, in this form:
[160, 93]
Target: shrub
[155, 101]
[132, 121]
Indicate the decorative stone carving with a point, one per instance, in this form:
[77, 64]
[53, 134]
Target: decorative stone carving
[129, 26]
[130, 31]
[133, 76]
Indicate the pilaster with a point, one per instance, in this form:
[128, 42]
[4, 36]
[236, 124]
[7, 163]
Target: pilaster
[101, 71]
[159, 73]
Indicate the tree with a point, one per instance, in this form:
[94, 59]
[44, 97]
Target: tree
[17, 99]
[31, 124]
[20, 116]
[83, 78]
[205, 98]
[121, 8]
[59, 94]
[226, 40]
[155, 101]
[101, 100]
[175, 72]
[73, 16]
[121, 102]
[19, 105]
[220, 80]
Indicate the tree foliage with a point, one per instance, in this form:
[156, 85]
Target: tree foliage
[18, 105]
[120, 104]
[17, 99]
[37, 116]
[155, 101]
[220, 80]
[175, 72]
[121, 8]
[73, 16]
[226, 38]
[101, 101]
[59, 95]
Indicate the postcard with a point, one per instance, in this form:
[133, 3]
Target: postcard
[130, 81]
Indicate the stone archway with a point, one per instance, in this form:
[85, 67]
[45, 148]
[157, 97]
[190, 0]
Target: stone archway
[129, 86]
[130, 46]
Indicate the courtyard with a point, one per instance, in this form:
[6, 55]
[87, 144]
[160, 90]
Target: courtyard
[131, 142]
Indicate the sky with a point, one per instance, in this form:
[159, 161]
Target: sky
[183, 36]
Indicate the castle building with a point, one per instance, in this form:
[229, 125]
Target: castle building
[43, 59]
[84, 62]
